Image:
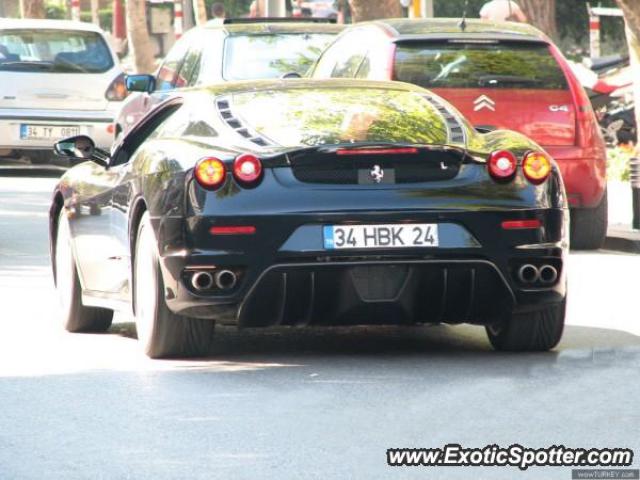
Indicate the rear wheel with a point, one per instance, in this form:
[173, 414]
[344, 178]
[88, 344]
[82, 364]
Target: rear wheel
[536, 330]
[589, 226]
[74, 315]
[161, 332]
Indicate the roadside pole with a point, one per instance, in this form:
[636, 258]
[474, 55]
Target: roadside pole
[119, 27]
[634, 177]
[594, 26]
[594, 35]
[275, 8]
[95, 18]
[177, 18]
[421, 9]
[75, 10]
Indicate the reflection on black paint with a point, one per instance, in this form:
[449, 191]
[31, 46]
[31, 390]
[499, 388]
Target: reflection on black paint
[334, 116]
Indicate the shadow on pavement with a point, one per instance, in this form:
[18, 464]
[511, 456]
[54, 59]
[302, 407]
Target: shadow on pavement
[416, 345]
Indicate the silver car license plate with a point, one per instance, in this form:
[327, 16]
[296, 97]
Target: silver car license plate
[48, 132]
[380, 236]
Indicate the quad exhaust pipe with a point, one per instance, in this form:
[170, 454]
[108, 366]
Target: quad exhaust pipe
[548, 274]
[223, 280]
[226, 279]
[202, 281]
[529, 274]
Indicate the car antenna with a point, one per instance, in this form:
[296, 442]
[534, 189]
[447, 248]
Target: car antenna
[463, 22]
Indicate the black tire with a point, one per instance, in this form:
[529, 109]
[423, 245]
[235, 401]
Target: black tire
[74, 315]
[162, 333]
[536, 330]
[589, 226]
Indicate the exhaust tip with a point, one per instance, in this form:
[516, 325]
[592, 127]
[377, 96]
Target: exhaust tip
[548, 274]
[528, 273]
[202, 281]
[226, 279]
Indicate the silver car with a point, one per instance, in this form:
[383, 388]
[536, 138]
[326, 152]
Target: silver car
[59, 79]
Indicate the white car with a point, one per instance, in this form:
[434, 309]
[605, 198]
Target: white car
[58, 79]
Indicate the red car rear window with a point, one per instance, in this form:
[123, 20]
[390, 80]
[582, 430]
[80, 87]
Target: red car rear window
[477, 65]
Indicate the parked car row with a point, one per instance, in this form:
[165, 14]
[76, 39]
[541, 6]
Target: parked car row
[237, 193]
[498, 75]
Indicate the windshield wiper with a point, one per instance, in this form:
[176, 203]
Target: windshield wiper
[33, 64]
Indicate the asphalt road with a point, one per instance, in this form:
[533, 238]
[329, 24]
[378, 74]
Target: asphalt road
[299, 403]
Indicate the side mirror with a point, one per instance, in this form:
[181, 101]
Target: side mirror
[140, 83]
[291, 75]
[81, 148]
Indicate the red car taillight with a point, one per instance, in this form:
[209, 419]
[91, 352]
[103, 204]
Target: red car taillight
[210, 173]
[502, 165]
[521, 224]
[117, 91]
[536, 167]
[247, 169]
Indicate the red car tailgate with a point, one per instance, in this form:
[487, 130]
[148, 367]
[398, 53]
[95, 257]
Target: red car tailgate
[511, 85]
[546, 116]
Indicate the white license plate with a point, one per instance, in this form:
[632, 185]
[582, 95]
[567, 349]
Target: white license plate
[48, 132]
[381, 236]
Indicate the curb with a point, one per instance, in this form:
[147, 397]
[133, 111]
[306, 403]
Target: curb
[623, 243]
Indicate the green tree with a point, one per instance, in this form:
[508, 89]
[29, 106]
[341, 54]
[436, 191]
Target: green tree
[572, 23]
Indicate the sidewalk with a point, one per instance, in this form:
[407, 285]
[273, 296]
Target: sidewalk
[620, 235]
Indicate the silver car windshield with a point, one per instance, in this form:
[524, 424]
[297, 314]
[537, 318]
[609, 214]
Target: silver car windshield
[250, 57]
[65, 51]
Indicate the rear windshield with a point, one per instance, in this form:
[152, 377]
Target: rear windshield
[472, 65]
[331, 116]
[68, 51]
[250, 57]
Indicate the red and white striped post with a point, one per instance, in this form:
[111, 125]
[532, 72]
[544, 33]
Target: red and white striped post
[75, 10]
[594, 32]
[178, 27]
[594, 35]
[119, 26]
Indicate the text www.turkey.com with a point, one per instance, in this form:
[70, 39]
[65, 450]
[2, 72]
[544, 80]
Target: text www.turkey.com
[512, 456]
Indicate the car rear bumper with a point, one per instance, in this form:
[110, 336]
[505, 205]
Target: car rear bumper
[584, 172]
[289, 277]
[96, 124]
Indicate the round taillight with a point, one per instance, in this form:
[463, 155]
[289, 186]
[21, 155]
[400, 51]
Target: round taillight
[536, 167]
[210, 173]
[247, 169]
[502, 165]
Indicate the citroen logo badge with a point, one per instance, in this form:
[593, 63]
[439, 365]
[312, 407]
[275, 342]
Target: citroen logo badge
[484, 102]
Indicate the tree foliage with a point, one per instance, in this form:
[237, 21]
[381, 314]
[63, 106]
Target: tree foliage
[571, 18]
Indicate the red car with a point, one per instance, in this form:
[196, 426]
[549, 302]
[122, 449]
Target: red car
[499, 75]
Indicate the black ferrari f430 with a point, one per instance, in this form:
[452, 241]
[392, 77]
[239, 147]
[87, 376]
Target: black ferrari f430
[300, 202]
